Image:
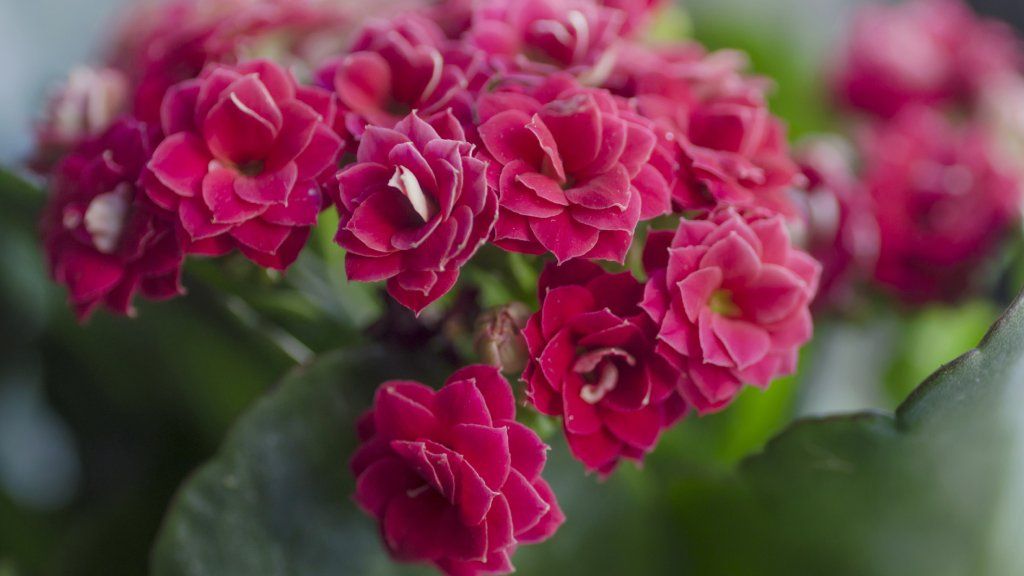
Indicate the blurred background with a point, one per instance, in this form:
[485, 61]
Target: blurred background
[99, 425]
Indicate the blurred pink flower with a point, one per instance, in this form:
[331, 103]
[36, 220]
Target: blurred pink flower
[593, 362]
[943, 199]
[841, 231]
[451, 476]
[731, 298]
[242, 161]
[104, 240]
[84, 107]
[922, 52]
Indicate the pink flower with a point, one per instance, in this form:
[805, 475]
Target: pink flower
[639, 13]
[730, 296]
[103, 238]
[570, 165]
[164, 43]
[842, 232]
[923, 52]
[82, 108]
[943, 200]
[240, 166]
[729, 147]
[451, 476]
[393, 68]
[593, 362]
[544, 36]
[414, 208]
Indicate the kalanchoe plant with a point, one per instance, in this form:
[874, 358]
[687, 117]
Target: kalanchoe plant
[545, 128]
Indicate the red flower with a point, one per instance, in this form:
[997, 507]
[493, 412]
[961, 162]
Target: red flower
[544, 36]
[842, 232]
[394, 67]
[164, 43]
[414, 208]
[90, 101]
[923, 52]
[103, 238]
[570, 165]
[593, 362]
[943, 202]
[639, 13]
[241, 161]
[731, 150]
[453, 479]
[730, 296]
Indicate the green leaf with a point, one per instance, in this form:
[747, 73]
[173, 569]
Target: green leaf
[276, 499]
[935, 489]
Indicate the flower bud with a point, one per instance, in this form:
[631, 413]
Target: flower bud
[499, 339]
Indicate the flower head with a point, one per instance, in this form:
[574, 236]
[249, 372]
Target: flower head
[545, 36]
[593, 362]
[571, 167]
[730, 149]
[731, 299]
[394, 67]
[242, 161]
[943, 202]
[923, 52]
[104, 240]
[84, 107]
[414, 208]
[453, 479]
[842, 232]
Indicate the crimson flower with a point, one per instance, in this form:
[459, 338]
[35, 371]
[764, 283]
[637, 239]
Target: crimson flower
[842, 231]
[394, 67]
[729, 147]
[731, 298]
[242, 159]
[451, 476]
[593, 362]
[570, 165]
[104, 240]
[923, 52]
[543, 36]
[943, 200]
[414, 208]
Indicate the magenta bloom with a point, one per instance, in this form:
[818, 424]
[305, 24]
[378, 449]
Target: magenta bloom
[570, 165]
[414, 208]
[943, 201]
[923, 52]
[84, 107]
[639, 13]
[731, 298]
[548, 35]
[393, 68]
[103, 238]
[842, 232]
[451, 476]
[593, 362]
[729, 147]
[241, 162]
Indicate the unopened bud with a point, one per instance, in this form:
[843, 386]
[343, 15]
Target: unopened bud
[499, 339]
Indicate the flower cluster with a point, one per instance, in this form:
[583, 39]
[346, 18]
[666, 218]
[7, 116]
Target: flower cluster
[936, 191]
[542, 127]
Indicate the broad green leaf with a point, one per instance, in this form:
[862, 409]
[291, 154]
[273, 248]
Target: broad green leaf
[276, 500]
[935, 489]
